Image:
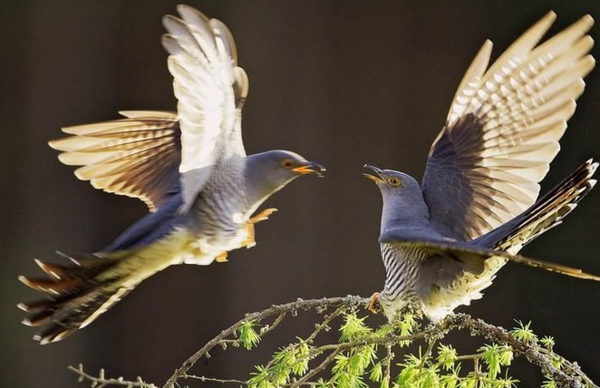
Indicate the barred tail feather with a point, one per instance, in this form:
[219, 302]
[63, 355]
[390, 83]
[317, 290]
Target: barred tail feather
[78, 294]
[548, 211]
[544, 215]
[553, 267]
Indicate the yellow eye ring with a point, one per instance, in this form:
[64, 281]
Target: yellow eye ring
[287, 163]
[394, 181]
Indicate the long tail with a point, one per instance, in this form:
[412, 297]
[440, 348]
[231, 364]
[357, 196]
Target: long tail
[80, 292]
[544, 215]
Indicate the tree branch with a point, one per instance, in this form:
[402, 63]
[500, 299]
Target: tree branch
[101, 381]
[319, 304]
[389, 336]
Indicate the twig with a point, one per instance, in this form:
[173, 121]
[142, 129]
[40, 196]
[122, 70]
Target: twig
[573, 367]
[391, 339]
[323, 325]
[318, 369]
[534, 353]
[101, 381]
[215, 380]
[569, 376]
[259, 316]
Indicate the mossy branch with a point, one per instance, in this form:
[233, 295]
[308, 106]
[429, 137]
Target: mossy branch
[357, 356]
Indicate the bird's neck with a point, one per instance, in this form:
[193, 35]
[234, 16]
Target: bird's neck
[404, 211]
[258, 186]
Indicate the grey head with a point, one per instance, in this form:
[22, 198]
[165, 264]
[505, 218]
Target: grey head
[270, 171]
[403, 202]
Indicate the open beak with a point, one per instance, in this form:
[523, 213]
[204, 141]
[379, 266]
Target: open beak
[310, 168]
[375, 178]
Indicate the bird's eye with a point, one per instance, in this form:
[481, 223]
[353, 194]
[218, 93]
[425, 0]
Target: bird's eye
[394, 182]
[287, 163]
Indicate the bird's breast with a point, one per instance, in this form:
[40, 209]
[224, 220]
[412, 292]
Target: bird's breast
[203, 248]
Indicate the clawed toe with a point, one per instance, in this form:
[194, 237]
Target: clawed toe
[374, 303]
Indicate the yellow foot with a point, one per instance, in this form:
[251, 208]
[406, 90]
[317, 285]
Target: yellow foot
[263, 215]
[374, 303]
[222, 258]
[250, 240]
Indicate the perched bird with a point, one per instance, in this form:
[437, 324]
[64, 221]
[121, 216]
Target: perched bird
[189, 167]
[443, 242]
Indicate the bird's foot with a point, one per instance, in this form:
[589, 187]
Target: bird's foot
[251, 236]
[374, 303]
[263, 215]
[222, 258]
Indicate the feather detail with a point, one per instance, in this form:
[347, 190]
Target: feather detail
[211, 90]
[507, 121]
[137, 156]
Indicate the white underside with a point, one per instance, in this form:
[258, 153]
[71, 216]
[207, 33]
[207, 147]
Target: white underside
[180, 247]
[469, 287]
[443, 301]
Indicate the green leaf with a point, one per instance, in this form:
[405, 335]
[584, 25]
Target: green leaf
[506, 356]
[491, 358]
[548, 342]
[549, 384]
[406, 327]
[446, 356]
[407, 377]
[248, 335]
[376, 373]
[524, 333]
[354, 328]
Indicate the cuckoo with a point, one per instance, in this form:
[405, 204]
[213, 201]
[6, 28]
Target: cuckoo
[189, 167]
[442, 242]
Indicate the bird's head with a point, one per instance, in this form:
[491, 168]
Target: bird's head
[270, 171]
[393, 184]
[402, 196]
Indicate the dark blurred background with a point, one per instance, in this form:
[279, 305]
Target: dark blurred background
[343, 83]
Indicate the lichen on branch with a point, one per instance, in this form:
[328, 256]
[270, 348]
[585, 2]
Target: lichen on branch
[366, 356]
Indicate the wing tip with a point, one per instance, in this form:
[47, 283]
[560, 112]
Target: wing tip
[55, 144]
[549, 18]
[587, 20]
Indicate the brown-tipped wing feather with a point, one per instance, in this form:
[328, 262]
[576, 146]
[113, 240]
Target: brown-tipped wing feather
[503, 129]
[544, 215]
[549, 211]
[137, 156]
[142, 155]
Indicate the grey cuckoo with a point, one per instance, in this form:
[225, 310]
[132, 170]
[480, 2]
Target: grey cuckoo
[443, 242]
[189, 167]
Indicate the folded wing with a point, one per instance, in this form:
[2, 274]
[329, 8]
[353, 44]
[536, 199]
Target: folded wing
[503, 129]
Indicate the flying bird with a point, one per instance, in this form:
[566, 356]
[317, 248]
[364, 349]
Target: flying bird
[442, 242]
[189, 167]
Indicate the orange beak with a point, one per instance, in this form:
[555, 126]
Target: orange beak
[310, 168]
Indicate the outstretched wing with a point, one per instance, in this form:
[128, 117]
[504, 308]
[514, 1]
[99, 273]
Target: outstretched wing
[503, 129]
[137, 156]
[210, 89]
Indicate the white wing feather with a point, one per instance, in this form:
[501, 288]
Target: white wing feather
[203, 62]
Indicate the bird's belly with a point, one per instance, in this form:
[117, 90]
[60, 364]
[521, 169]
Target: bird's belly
[204, 250]
[438, 301]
